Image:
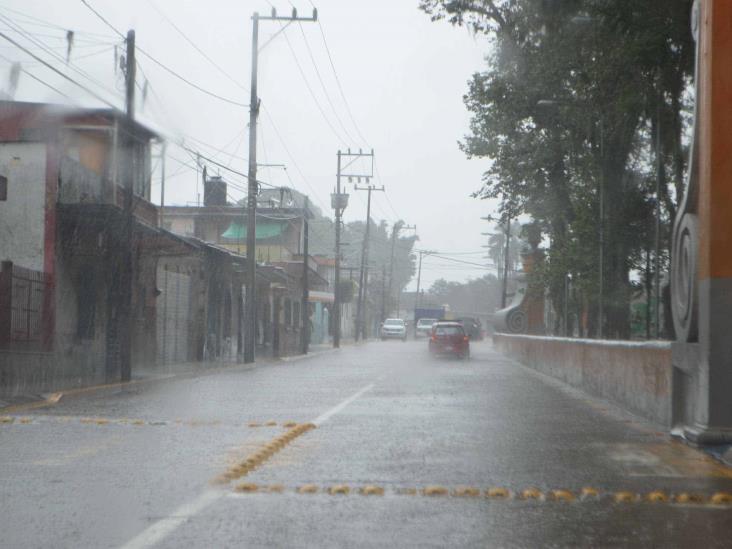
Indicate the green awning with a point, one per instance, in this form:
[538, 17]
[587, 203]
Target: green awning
[265, 229]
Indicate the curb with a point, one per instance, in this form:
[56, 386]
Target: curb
[51, 399]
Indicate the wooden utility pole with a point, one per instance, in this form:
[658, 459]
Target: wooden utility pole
[250, 308]
[363, 275]
[504, 287]
[305, 306]
[339, 202]
[124, 288]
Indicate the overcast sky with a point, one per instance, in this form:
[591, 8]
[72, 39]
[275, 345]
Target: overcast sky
[402, 75]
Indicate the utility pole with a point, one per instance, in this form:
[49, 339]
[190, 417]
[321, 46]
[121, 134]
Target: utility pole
[339, 202]
[363, 275]
[305, 307]
[383, 293]
[419, 275]
[124, 304]
[250, 308]
[162, 181]
[504, 288]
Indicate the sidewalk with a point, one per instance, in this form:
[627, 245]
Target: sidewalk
[142, 376]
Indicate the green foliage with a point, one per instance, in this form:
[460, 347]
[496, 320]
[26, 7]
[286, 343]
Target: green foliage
[567, 110]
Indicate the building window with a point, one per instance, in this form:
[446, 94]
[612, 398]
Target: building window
[3, 188]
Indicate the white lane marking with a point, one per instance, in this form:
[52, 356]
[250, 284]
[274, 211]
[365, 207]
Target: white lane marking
[322, 418]
[161, 529]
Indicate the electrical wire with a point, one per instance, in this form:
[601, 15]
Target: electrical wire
[338, 82]
[322, 85]
[312, 93]
[164, 66]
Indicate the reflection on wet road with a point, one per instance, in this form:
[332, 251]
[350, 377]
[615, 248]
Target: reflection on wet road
[376, 445]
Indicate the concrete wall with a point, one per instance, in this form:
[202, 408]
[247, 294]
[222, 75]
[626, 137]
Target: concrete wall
[22, 215]
[636, 376]
[29, 373]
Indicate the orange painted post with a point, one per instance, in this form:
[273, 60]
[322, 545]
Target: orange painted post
[702, 271]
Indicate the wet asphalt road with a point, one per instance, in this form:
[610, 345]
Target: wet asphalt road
[134, 467]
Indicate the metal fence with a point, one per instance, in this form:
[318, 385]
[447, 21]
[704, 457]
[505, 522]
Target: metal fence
[27, 289]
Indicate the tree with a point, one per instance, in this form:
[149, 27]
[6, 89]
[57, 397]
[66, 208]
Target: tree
[564, 111]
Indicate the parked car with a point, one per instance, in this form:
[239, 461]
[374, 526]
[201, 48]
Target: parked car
[473, 327]
[394, 328]
[449, 338]
[424, 327]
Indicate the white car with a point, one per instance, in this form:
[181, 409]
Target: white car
[394, 328]
[424, 327]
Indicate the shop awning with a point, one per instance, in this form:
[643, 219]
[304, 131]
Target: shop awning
[265, 229]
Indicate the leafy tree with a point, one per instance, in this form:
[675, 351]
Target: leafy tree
[567, 109]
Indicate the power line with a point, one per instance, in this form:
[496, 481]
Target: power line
[312, 93]
[53, 54]
[292, 158]
[41, 23]
[165, 67]
[220, 165]
[338, 82]
[322, 84]
[54, 69]
[195, 46]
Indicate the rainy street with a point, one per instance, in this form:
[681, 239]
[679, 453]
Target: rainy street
[402, 450]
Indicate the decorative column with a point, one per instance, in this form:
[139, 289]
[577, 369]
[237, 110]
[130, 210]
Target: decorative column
[701, 276]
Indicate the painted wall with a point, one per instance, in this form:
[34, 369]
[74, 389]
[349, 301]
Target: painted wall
[22, 215]
[636, 376]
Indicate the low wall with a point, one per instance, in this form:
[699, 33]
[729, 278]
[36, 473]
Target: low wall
[32, 373]
[635, 375]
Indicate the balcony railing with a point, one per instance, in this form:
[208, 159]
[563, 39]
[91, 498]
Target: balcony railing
[80, 185]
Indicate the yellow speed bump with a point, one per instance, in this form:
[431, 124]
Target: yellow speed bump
[138, 422]
[435, 491]
[254, 424]
[625, 497]
[466, 492]
[275, 488]
[371, 490]
[685, 497]
[498, 493]
[561, 495]
[339, 489]
[25, 420]
[246, 487]
[307, 489]
[532, 493]
[588, 492]
[289, 424]
[271, 423]
[721, 498]
[657, 496]
[7, 419]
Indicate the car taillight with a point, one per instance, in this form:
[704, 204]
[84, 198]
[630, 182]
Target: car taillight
[433, 338]
[466, 338]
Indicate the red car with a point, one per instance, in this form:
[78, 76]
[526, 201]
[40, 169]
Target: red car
[449, 338]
